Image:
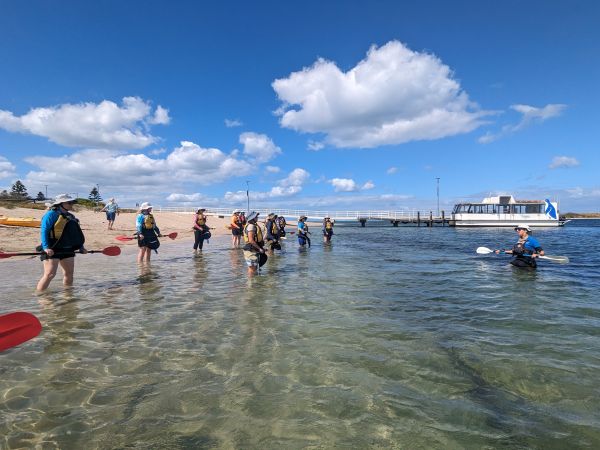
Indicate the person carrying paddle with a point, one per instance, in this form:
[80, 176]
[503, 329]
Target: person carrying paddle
[281, 223]
[201, 230]
[303, 232]
[327, 229]
[236, 229]
[111, 209]
[526, 250]
[147, 232]
[254, 253]
[61, 237]
[272, 231]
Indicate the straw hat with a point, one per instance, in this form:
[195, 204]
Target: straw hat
[63, 198]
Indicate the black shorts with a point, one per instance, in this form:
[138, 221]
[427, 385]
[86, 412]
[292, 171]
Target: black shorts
[236, 232]
[58, 255]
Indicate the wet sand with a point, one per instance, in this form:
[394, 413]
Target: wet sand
[94, 226]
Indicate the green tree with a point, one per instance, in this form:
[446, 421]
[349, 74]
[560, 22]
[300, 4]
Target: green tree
[40, 196]
[18, 190]
[95, 195]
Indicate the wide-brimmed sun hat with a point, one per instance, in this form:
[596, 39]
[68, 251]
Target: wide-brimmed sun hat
[63, 198]
[200, 210]
[303, 217]
[523, 226]
[145, 206]
[252, 216]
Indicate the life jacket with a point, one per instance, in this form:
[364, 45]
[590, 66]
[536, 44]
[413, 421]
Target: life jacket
[272, 228]
[235, 221]
[66, 233]
[149, 222]
[328, 225]
[519, 249]
[303, 230]
[281, 222]
[258, 238]
[201, 220]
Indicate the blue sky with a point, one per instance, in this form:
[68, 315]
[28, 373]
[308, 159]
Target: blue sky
[320, 105]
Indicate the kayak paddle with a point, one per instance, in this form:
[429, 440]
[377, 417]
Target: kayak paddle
[131, 238]
[108, 251]
[556, 259]
[16, 328]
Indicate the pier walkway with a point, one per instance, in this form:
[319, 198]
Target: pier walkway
[402, 217]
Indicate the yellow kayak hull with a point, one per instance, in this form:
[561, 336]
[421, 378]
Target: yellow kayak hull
[20, 221]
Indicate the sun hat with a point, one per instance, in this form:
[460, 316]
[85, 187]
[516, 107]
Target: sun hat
[252, 216]
[272, 215]
[303, 217]
[235, 211]
[63, 198]
[111, 200]
[523, 226]
[145, 205]
[200, 209]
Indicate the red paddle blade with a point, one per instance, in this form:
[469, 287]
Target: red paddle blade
[172, 235]
[124, 238]
[6, 255]
[16, 328]
[112, 251]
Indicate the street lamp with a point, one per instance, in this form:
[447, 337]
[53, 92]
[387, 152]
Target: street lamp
[438, 195]
[248, 194]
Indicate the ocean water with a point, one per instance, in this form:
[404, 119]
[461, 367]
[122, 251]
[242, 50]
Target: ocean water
[388, 338]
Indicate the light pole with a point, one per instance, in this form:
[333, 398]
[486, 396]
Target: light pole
[438, 195]
[248, 194]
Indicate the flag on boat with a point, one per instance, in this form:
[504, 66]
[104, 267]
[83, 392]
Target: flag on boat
[550, 210]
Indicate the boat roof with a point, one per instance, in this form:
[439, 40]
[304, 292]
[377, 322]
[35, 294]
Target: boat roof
[504, 200]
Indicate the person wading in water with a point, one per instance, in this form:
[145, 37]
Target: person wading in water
[147, 232]
[61, 237]
[526, 250]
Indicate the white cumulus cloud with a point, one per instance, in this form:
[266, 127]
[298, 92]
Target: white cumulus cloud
[563, 161]
[124, 173]
[259, 146]
[272, 169]
[392, 170]
[7, 169]
[344, 184]
[102, 125]
[394, 95]
[530, 115]
[232, 123]
[189, 198]
[286, 187]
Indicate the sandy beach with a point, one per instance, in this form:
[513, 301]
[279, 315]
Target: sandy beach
[94, 226]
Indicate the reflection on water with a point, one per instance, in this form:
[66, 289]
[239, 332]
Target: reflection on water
[384, 338]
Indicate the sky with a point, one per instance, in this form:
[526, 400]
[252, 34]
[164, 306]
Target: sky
[337, 105]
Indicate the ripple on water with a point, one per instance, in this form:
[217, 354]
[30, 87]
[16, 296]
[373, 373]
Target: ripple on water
[387, 338]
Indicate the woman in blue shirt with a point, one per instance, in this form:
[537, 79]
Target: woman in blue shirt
[526, 250]
[147, 232]
[61, 237]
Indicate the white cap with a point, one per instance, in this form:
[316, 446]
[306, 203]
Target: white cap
[523, 226]
[145, 205]
[62, 198]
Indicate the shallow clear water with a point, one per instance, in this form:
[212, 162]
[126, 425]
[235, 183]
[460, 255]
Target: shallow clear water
[387, 338]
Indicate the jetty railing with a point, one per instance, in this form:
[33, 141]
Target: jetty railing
[409, 215]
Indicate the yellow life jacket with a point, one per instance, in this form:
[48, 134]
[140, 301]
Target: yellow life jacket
[68, 225]
[328, 225]
[200, 219]
[149, 222]
[259, 236]
[59, 226]
[274, 228]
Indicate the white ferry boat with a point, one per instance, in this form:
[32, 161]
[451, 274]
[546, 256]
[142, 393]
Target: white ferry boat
[505, 211]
